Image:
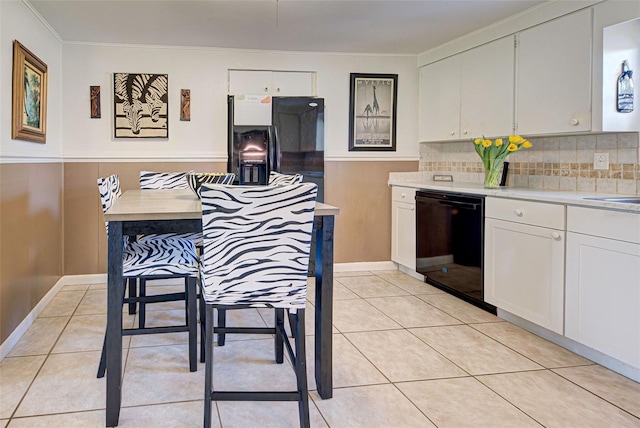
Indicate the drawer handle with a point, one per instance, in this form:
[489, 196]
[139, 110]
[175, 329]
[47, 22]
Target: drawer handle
[518, 212]
[556, 236]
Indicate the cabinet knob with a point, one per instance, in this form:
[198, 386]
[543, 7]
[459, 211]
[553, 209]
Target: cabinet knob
[518, 212]
[464, 132]
[403, 195]
[452, 132]
[555, 235]
[412, 208]
[574, 122]
[266, 89]
[277, 89]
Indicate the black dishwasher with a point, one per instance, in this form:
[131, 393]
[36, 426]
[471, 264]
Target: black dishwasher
[450, 243]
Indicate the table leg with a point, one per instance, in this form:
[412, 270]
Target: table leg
[324, 307]
[115, 294]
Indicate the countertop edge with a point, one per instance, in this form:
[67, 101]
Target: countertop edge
[538, 195]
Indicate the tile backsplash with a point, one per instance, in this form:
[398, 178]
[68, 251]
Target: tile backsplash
[553, 163]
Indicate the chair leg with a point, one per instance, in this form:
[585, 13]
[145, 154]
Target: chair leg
[192, 321]
[222, 322]
[201, 311]
[301, 369]
[132, 284]
[102, 367]
[279, 339]
[142, 313]
[208, 368]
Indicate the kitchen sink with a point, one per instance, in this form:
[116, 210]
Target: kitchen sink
[621, 199]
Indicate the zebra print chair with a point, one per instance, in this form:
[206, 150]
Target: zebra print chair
[150, 180]
[278, 179]
[256, 255]
[275, 179]
[155, 259]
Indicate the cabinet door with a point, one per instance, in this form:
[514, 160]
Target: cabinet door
[524, 271]
[249, 82]
[439, 115]
[554, 76]
[603, 295]
[403, 234]
[292, 84]
[486, 90]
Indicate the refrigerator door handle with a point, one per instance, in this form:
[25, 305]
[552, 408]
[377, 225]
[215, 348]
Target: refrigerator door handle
[275, 150]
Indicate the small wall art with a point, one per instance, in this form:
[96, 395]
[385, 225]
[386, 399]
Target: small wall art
[94, 93]
[141, 105]
[185, 104]
[372, 109]
[29, 101]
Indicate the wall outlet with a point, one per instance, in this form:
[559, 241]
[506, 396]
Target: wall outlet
[601, 161]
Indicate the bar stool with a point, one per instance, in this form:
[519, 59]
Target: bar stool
[256, 255]
[155, 259]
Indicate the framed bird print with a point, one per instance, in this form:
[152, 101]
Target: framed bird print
[372, 109]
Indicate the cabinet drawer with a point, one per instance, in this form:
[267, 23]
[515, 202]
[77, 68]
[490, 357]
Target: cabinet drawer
[403, 194]
[534, 213]
[623, 226]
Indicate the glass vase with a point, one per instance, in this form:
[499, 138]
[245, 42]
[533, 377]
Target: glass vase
[492, 175]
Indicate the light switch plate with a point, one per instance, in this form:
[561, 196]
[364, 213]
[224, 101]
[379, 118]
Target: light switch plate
[439, 177]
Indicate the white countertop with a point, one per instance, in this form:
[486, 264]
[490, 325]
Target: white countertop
[423, 180]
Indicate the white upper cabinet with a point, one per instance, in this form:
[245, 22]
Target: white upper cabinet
[486, 90]
[468, 95]
[275, 83]
[440, 100]
[553, 83]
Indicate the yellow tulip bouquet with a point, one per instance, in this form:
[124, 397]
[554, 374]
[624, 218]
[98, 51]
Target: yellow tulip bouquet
[493, 154]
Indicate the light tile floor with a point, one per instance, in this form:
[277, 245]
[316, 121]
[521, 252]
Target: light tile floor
[405, 355]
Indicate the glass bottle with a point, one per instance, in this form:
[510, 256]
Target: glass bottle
[625, 89]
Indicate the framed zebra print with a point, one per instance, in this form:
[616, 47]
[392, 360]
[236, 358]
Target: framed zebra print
[141, 105]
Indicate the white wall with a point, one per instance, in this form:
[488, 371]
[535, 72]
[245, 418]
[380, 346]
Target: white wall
[18, 22]
[205, 73]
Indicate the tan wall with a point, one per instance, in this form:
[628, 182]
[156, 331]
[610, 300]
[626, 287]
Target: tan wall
[363, 228]
[360, 190]
[31, 238]
[85, 237]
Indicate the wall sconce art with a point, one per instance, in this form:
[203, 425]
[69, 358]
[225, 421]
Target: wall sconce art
[185, 104]
[94, 92]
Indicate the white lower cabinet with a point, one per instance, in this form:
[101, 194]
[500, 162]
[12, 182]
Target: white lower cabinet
[524, 263]
[603, 282]
[403, 226]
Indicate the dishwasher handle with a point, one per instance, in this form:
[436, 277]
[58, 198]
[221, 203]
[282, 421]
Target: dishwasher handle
[449, 202]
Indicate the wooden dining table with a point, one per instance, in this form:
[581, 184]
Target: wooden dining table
[139, 212]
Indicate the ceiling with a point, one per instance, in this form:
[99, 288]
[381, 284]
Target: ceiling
[356, 26]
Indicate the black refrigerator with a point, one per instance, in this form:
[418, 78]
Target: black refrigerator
[289, 141]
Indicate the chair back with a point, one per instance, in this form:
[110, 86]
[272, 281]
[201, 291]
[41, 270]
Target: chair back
[109, 188]
[278, 179]
[150, 180]
[256, 244]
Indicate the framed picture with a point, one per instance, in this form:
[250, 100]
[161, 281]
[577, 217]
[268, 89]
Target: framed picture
[185, 104]
[372, 109]
[29, 102]
[94, 95]
[141, 105]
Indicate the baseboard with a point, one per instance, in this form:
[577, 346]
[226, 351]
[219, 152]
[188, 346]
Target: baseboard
[363, 266]
[584, 351]
[22, 328]
[96, 278]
